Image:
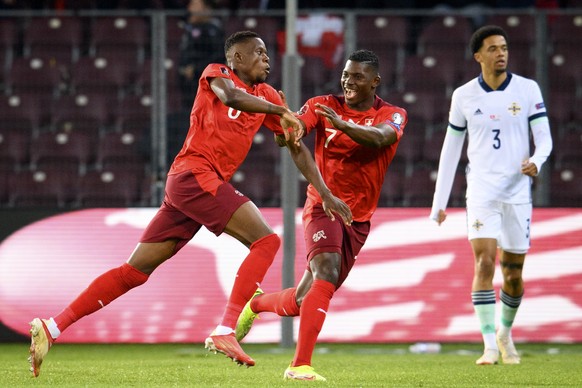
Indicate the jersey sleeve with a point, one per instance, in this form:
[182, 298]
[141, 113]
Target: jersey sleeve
[396, 118]
[307, 114]
[449, 158]
[540, 127]
[216, 70]
[457, 119]
[273, 121]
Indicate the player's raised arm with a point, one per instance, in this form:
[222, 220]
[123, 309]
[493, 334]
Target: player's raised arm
[377, 136]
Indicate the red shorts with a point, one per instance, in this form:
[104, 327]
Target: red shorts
[324, 235]
[190, 201]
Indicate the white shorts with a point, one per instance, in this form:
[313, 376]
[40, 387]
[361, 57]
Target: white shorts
[506, 222]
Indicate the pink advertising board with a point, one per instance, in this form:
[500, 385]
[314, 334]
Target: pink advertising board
[412, 280]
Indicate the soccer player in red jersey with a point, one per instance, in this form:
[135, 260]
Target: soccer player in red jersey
[231, 104]
[356, 136]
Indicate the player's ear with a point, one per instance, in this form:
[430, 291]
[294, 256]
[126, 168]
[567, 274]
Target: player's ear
[477, 57]
[376, 81]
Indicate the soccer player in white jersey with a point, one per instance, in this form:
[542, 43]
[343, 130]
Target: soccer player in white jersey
[496, 111]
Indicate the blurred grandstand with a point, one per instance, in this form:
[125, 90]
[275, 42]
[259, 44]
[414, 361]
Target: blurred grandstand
[80, 100]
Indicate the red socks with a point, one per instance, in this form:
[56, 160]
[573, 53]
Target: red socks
[102, 291]
[313, 312]
[282, 303]
[249, 276]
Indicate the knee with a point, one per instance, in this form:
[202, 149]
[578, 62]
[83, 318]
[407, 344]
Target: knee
[326, 270]
[484, 266]
[512, 275]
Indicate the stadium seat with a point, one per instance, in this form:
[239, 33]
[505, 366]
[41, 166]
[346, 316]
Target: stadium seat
[566, 187]
[266, 26]
[33, 75]
[122, 148]
[90, 113]
[104, 75]
[124, 37]
[27, 112]
[56, 39]
[143, 84]
[110, 188]
[67, 149]
[418, 187]
[174, 32]
[42, 188]
[387, 36]
[430, 73]
[412, 142]
[561, 106]
[133, 114]
[521, 31]
[565, 32]
[427, 108]
[14, 146]
[568, 150]
[459, 190]
[520, 28]
[446, 34]
[391, 193]
[431, 150]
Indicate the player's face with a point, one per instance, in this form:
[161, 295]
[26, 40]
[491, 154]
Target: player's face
[493, 54]
[359, 82]
[253, 67]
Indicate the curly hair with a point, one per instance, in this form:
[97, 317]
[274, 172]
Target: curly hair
[483, 33]
[238, 37]
[366, 56]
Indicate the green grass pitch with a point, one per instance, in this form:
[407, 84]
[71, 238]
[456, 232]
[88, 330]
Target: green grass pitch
[344, 365]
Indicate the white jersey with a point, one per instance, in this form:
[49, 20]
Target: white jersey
[497, 123]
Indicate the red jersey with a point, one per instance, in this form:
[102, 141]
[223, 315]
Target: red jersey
[353, 172]
[220, 137]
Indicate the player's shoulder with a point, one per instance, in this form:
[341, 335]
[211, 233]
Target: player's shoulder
[522, 81]
[218, 70]
[382, 105]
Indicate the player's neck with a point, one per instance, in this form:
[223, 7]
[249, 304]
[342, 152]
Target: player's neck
[494, 80]
[362, 106]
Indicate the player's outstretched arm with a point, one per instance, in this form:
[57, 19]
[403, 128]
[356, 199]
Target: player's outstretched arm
[231, 96]
[304, 161]
[381, 135]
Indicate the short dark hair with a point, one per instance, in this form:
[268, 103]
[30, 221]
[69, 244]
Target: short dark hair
[483, 33]
[366, 56]
[238, 37]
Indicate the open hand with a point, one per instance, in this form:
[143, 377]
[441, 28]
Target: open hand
[332, 204]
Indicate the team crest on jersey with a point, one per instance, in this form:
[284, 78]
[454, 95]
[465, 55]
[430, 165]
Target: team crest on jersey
[319, 235]
[514, 109]
[303, 110]
[369, 122]
[397, 118]
[477, 225]
[225, 71]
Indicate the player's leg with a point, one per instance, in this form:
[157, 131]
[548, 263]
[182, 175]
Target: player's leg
[100, 292]
[515, 242]
[284, 303]
[249, 227]
[166, 233]
[484, 225]
[510, 296]
[325, 269]
[483, 296]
